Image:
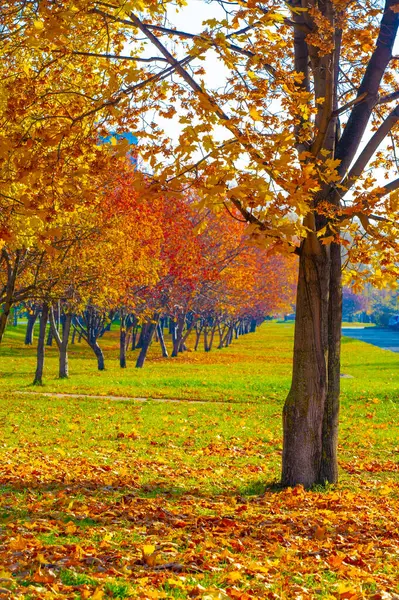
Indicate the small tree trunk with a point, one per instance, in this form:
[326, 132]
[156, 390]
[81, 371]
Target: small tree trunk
[253, 326]
[3, 321]
[73, 336]
[10, 288]
[178, 335]
[143, 333]
[147, 339]
[134, 338]
[122, 343]
[50, 337]
[206, 338]
[30, 328]
[210, 344]
[198, 331]
[99, 354]
[161, 340]
[15, 317]
[38, 380]
[63, 366]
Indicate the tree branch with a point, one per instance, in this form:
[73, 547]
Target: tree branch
[371, 147]
[205, 96]
[360, 115]
[119, 57]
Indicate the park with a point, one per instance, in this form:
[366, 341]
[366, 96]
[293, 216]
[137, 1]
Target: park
[199, 318]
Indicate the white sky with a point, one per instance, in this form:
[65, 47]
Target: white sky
[190, 19]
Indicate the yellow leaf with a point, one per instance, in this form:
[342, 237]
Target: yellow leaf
[70, 528]
[18, 543]
[175, 582]
[148, 549]
[98, 594]
[320, 533]
[255, 115]
[234, 576]
[39, 25]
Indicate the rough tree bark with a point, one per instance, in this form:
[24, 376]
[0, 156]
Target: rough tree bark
[304, 408]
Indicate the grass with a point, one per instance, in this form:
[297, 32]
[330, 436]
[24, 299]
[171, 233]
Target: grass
[86, 484]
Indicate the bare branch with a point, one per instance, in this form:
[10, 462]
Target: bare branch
[349, 105]
[360, 115]
[117, 57]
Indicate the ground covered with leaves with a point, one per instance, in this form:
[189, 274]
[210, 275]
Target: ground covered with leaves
[120, 499]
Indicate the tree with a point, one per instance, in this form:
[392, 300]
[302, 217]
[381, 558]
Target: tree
[299, 88]
[302, 86]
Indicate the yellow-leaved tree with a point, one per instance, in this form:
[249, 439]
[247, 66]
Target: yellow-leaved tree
[286, 112]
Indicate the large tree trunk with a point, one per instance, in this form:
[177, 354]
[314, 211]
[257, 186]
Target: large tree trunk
[329, 461]
[38, 380]
[304, 408]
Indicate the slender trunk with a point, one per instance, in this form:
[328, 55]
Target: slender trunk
[50, 337]
[99, 354]
[198, 332]
[253, 326]
[210, 344]
[329, 460]
[12, 272]
[161, 340]
[134, 338]
[304, 407]
[142, 336]
[178, 335]
[15, 317]
[62, 342]
[30, 328]
[63, 366]
[122, 343]
[147, 339]
[206, 338]
[38, 380]
[4, 318]
[73, 336]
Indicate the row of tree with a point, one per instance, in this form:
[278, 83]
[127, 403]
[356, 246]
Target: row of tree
[149, 264]
[293, 132]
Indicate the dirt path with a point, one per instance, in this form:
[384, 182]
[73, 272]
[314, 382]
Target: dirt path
[116, 398]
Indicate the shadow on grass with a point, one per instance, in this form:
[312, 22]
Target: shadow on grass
[150, 490]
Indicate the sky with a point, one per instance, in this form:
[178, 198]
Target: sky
[190, 19]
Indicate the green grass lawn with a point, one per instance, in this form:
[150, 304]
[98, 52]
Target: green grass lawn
[87, 485]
